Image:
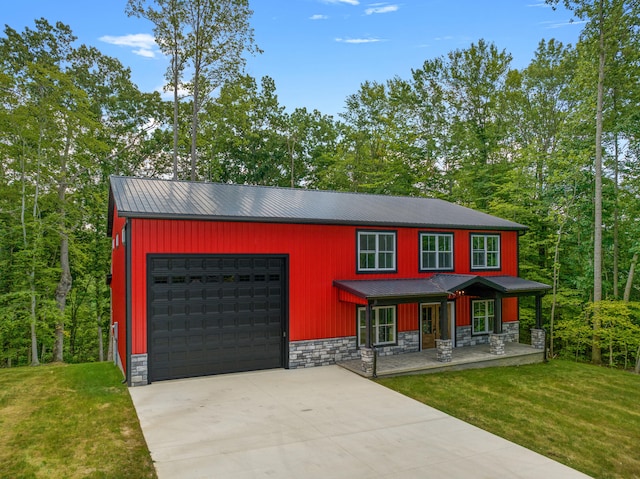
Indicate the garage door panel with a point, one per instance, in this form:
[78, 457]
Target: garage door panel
[211, 315]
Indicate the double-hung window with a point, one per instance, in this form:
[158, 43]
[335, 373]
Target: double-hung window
[485, 251]
[383, 325]
[376, 251]
[436, 251]
[483, 316]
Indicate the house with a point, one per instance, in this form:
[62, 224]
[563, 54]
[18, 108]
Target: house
[215, 278]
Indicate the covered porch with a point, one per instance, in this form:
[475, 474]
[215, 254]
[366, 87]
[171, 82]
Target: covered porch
[440, 288]
[469, 357]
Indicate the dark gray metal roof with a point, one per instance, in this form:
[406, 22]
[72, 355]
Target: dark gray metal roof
[438, 285]
[372, 289]
[155, 198]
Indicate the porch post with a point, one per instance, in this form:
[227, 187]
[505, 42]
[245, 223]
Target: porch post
[497, 339]
[367, 353]
[497, 314]
[444, 345]
[538, 334]
[444, 318]
[367, 341]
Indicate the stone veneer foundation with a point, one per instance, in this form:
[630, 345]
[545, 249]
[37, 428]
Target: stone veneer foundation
[322, 352]
[511, 330]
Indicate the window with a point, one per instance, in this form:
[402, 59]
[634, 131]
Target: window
[383, 321]
[436, 251]
[485, 251]
[376, 251]
[483, 316]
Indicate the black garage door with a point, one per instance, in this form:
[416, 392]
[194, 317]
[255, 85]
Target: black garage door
[215, 314]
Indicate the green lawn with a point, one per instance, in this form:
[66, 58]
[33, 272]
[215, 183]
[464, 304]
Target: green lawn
[584, 416]
[69, 421]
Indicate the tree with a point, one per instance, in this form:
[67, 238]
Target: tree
[168, 20]
[606, 20]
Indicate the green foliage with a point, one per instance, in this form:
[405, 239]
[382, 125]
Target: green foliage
[466, 127]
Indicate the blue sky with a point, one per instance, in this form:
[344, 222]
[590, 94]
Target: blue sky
[320, 51]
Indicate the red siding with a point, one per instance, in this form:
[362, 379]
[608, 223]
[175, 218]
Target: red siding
[318, 254]
[118, 283]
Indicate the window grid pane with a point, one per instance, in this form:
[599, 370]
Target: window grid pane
[383, 321]
[437, 250]
[483, 316]
[376, 251]
[485, 251]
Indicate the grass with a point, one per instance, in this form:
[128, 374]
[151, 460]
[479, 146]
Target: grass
[69, 421]
[584, 416]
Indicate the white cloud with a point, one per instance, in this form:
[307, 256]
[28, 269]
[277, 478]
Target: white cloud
[166, 92]
[381, 9]
[551, 24]
[348, 2]
[143, 43]
[317, 16]
[541, 4]
[358, 40]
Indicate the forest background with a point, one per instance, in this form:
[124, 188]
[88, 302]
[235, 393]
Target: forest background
[553, 146]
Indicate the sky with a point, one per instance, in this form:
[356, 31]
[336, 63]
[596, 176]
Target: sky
[320, 51]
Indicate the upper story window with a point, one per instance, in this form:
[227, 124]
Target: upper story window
[376, 251]
[436, 251]
[485, 251]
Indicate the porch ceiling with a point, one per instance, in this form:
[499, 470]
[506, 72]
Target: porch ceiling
[436, 286]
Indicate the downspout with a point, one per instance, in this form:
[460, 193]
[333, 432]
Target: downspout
[128, 297]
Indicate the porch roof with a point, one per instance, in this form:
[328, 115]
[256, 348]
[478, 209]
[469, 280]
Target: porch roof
[437, 286]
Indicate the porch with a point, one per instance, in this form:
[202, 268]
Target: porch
[468, 357]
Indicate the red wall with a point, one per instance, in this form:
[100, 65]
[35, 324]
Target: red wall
[118, 291]
[318, 254]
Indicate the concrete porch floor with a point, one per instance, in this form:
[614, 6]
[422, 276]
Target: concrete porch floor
[468, 357]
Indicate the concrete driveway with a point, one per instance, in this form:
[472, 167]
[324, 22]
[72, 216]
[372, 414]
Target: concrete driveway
[322, 422]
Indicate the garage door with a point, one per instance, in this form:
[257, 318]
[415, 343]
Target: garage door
[215, 314]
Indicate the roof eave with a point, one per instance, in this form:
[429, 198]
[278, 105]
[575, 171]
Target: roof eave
[317, 221]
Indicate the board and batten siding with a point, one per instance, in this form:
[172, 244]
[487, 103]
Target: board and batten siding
[317, 255]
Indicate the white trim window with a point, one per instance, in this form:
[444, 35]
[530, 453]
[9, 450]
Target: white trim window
[383, 324]
[485, 251]
[483, 316]
[376, 251]
[436, 251]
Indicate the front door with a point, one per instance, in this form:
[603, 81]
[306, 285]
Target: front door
[430, 323]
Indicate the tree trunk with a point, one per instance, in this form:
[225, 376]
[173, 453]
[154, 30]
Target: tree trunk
[65, 283]
[175, 116]
[556, 274]
[627, 288]
[100, 343]
[596, 351]
[64, 286]
[32, 285]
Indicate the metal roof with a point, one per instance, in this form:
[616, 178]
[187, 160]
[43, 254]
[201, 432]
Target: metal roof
[155, 198]
[438, 285]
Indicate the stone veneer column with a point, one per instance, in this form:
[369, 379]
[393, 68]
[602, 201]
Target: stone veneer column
[139, 370]
[496, 343]
[368, 357]
[444, 350]
[537, 338]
